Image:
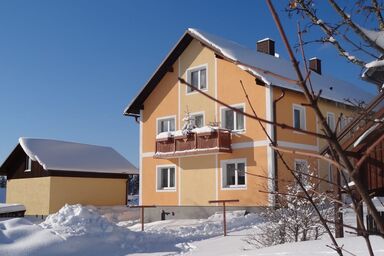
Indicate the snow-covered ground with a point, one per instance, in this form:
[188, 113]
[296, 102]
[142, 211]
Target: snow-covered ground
[80, 230]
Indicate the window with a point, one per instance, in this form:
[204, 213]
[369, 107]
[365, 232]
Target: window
[198, 78]
[232, 120]
[28, 164]
[330, 173]
[299, 117]
[331, 121]
[233, 173]
[198, 120]
[166, 178]
[301, 166]
[165, 125]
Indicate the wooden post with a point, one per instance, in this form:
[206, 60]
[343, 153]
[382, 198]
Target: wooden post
[142, 212]
[224, 217]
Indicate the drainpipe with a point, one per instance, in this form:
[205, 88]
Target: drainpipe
[274, 142]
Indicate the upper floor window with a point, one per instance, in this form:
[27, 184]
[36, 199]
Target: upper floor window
[299, 121]
[166, 124]
[198, 119]
[198, 78]
[233, 120]
[28, 164]
[331, 120]
[233, 173]
[166, 178]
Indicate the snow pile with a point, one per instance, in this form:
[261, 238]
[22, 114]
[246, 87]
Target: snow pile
[77, 220]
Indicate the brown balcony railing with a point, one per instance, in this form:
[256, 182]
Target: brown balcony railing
[218, 140]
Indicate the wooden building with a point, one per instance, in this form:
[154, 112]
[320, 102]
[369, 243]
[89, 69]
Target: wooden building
[44, 175]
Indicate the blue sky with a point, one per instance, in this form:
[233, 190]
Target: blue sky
[69, 68]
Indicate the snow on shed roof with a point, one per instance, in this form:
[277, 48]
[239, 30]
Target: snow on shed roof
[71, 156]
[256, 62]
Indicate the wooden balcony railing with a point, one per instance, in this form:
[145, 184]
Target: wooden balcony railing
[214, 141]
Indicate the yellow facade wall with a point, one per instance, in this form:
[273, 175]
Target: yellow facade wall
[92, 191]
[256, 164]
[150, 195]
[198, 177]
[160, 103]
[33, 193]
[229, 79]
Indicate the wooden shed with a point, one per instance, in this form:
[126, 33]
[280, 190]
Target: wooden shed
[45, 174]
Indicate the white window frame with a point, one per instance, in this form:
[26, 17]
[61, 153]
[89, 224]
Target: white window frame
[158, 178]
[331, 115]
[302, 161]
[222, 117]
[223, 168]
[330, 174]
[164, 118]
[196, 68]
[198, 114]
[28, 164]
[302, 116]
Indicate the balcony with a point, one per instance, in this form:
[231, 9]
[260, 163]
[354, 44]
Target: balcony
[198, 141]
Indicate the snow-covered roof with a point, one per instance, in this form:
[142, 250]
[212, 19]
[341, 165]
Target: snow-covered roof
[7, 208]
[266, 67]
[77, 157]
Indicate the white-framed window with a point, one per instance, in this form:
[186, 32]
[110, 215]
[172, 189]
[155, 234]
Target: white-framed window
[198, 119]
[28, 164]
[233, 174]
[330, 173]
[301, 166]
[331, 120]
[299, 120]
[166, 178]
[166, 124]
[197, 76]
[233, 120]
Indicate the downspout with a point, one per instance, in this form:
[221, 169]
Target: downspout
[274, 142]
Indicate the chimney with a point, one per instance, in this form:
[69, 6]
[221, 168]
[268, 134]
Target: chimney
[315, 65]
[266, 45]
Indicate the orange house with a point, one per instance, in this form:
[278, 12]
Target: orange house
[225, 155]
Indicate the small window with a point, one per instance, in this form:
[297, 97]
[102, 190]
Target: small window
[166, 178]
[301, 167]
[233, 120]
[233, 173]
[299, 117]
[331, 121]
[28, 164]
[165, 125]
[198, 120]
[198, 78]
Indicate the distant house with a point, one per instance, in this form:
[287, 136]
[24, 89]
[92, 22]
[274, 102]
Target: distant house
[46, 174]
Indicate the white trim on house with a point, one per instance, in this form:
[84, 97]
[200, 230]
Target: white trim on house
[179, 94]
[298, 145]
[215, 83]
[141, 159]
[250, 144]
[179, 180]
[170, 189]
[28, 164]
[216, 177]
[270, 152]
[223, 163]
[303, 117]
[195, 68]
[163, 118]
[331, 115]
[222, 124]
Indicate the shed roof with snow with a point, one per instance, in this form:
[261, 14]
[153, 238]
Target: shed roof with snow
[56, 155]
[272, 70]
